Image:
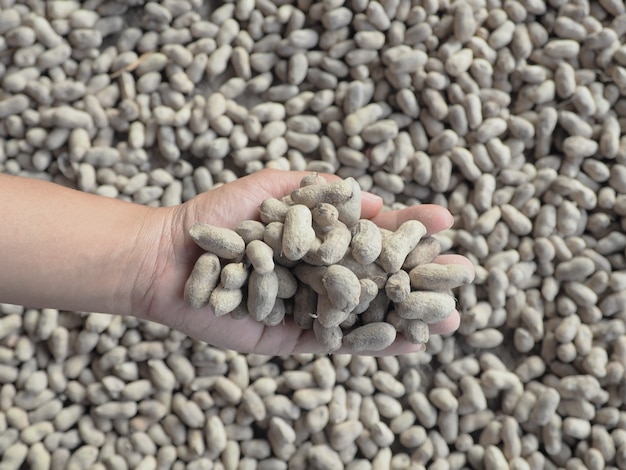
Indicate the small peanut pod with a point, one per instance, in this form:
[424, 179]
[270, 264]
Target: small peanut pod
[350, 210]
[273, 237]
[224, 301]
[369, 291]
[342, 286]
[333, 193]
[202, 281]
[287, 283]
[311, 276]
[220, 241]
[327, 315]
[425, 252]
[273, 210]
[233, 276]
[305, 306]
[371, 337]
[397, 245]
[434, 276]
[430, 307]
[261, 256]
[330, 338]
[312, 179]
[277, 315]
[325, 216]
[398, 286]
[366, 242]
[377, 309]
[298, 233]
[414, 331]
[262, 292]
[250, 230]
[334, 245]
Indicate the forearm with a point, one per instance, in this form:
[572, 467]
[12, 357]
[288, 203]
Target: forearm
[65, 249]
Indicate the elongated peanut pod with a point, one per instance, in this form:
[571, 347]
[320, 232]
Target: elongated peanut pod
[305, 306]
[371, 337]
[327, 315]
[330, 338]
[287, 283]
[261, 256]
[224, 301]
[371, 271]
[325, 216]
[350, 210]
[369, 290]
[262, 292]
[298, 233]
[273, 237]
[233, 276]
[342, 286]
[425, 252]
[396, 246]
[350, 321]
[414, 331]
[398, 286]
[335, 244]
[430, 307]
[366, 242]
[202, 280]
[434, 276]
[220, 241]
[250, 230]
[311, 276]
[273, 210]
[333, 193]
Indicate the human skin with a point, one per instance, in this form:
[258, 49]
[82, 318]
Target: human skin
[65, 249]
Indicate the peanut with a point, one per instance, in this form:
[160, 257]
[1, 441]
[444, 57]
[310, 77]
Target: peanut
[220, 241]
[202, 280]
[371, 337]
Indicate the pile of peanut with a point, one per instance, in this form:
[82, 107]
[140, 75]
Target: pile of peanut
[313, 258]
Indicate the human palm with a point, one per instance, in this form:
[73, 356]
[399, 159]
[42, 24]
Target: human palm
[227, 206]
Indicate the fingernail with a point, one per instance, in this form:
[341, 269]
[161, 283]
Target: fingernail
[371, 198]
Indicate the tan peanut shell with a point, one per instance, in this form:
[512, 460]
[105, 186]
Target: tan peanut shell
[330, 338]
[333, 193]
[327, 315]
[398, 286]
[350, 210]
[305, 306]
[262, 292]
[277, 314]
[426, 251]
[397, 245]
[369, 290]
[273, 210]
[220, 241]
[298, 233]
[261, 256]
[287, 282]
[430, 307]
[233, 276]
[434, 276]
[324, 217]
[202, 280]
[250, 230]
[366, 242]
[224, 301]
[371, 337]
[342, 287]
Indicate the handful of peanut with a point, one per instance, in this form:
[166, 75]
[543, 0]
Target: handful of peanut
[312, 257]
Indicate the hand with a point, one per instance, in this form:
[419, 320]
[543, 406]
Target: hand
[227, 206]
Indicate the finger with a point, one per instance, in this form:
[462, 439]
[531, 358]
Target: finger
[446, 326]
[435, 218]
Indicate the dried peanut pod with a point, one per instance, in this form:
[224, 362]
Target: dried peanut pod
[277, 315]
[369, 291]
[371, 337]
[250, 230]
[305, 306]
[273, 210]
[350, 321]
[342, 287]
[398, 286]
[202, 281]
[430, 307]
[414, 331]
[241, 311]
[233, 276]
[311, 276]
[426, 251]
[262, 292]
[261, 256]
[298, 233]
[330, 338]
[397, 245]
[333, 193]
[287, 283]
[334, 245]
[366, 242]
[220, 241]
[434, 276]
[377, 309]
[350, 210]
[371, 271]
[327, 315]
[224, 301]
[312, 179]
[325, 216]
